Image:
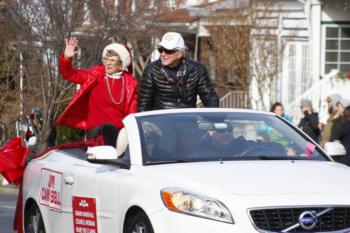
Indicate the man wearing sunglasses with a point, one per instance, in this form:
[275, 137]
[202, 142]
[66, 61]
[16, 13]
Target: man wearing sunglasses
[174, 81]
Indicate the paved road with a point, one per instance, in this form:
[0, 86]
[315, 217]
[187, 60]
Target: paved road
[8, 199]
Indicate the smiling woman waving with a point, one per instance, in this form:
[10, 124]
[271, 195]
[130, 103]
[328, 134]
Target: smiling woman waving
[107, 94]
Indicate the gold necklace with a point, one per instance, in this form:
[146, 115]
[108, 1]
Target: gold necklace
[110, 92]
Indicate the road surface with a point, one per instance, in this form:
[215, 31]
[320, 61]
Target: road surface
[8, 199]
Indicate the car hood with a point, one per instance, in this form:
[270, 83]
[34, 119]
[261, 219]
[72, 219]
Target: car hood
[258, 177]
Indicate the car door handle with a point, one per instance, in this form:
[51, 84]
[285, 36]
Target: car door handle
[68, 180]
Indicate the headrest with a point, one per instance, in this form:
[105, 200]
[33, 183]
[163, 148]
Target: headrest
[122, 142]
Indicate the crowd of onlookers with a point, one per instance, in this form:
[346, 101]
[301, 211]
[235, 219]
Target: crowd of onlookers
[335, 129]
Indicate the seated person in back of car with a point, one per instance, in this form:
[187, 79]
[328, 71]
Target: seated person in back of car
[153, 136]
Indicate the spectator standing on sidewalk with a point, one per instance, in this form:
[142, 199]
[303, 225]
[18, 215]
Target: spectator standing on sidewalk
[327, 129]
[278, 109]
[309, 123]
[340, 120]
[343, 137]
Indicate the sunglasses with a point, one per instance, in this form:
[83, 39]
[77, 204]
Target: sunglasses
[166, 51]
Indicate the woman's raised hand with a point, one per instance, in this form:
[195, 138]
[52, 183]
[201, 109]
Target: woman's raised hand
[71, 45]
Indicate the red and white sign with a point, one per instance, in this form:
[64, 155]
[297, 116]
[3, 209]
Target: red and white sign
[50, 189]
[84, 215]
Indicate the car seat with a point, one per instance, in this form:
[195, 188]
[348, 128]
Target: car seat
[122, 142]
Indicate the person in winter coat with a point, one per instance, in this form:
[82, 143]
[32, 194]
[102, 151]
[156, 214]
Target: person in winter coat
[339, 121]
[309, 123]
[332, 111]
[343, 136]
[107, 94]
[174, 81]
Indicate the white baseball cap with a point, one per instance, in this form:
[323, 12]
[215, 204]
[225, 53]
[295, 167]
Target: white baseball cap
[172, 40]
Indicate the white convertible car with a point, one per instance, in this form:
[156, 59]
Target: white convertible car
[191, 171]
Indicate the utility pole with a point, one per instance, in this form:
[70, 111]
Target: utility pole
[21, 84]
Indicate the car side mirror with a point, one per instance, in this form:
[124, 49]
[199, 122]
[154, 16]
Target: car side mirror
[334, 149]
[105, 155]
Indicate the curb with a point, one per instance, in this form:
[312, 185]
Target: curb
[9, 189]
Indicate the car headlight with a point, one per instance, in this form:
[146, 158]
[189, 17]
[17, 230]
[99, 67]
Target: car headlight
[185, 202]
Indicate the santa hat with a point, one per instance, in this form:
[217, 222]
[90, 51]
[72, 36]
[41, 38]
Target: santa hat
[122, 52]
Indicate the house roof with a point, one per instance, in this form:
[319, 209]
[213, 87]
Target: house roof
[223, 4]
[194, 13]
[180, 16]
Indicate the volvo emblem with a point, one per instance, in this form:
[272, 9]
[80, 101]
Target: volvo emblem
[308, 220]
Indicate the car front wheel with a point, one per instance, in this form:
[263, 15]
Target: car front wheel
[139, 223]
[33, 221]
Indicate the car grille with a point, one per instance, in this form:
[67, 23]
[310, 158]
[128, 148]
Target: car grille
[287, 219]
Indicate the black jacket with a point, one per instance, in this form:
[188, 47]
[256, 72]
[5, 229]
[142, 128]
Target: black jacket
[343, 135]
[309, 124]
[160, 91]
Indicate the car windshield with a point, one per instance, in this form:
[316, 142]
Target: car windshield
[221, 136]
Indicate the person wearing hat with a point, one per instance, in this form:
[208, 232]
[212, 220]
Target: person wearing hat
[343, 136]
[174, 81]
[339, 119]
[332, 101]
[309, 123]
[107, 94]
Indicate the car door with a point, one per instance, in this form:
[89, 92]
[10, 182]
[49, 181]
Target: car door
[94, 198]
[57, 180]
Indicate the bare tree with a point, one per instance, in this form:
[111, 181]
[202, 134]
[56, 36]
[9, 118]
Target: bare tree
[245, 46]
[267, 49]
[9, 64]
[41, 26]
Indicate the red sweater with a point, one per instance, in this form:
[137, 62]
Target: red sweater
[102, 105]
[79, 114]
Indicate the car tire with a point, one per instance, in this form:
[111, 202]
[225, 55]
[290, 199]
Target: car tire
[139, 223]
[33, 220]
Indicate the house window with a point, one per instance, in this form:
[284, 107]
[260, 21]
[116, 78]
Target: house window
[171, 4]
[337, 53]
[230, 76]
[212, 66]
[297, 77]
[306, 79]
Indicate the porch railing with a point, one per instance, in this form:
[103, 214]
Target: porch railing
[329, 84]
[235, 99]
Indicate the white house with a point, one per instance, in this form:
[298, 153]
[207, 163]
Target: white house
[314, 39]
[315, 36]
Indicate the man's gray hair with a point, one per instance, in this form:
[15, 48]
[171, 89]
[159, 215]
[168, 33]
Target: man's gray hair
[182, 51]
